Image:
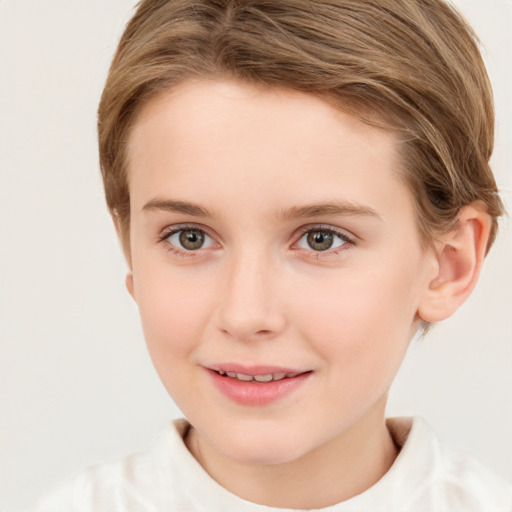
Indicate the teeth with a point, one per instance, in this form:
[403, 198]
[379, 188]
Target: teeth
[258, 378]
[263, 378]
[246, 378]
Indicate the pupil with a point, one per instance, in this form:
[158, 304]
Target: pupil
[320, 241]
[191, 240]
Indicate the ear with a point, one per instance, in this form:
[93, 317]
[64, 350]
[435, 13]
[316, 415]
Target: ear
[130, 284]
[126, 250]
[460, 253]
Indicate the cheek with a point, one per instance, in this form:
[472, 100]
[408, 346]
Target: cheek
[173, 311]
[360, 323]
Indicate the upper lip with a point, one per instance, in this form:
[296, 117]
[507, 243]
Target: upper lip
[254, 369]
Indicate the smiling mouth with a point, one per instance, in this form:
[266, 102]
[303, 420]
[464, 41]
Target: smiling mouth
[269, 377]
[257, 385]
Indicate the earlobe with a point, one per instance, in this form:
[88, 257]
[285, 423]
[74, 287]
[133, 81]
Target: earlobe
[460, 254]
[130, 284]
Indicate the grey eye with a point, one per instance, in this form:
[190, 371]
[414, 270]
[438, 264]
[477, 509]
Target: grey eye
[321, 240]
[190, 239]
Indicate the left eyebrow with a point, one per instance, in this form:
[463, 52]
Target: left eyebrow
[170, 205]
[330, 208]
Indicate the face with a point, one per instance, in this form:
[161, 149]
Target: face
[276, 264]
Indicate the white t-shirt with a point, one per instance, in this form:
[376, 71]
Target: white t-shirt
[425, 477]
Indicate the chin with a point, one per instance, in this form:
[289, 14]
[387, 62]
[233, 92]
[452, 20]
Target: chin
[260, 450]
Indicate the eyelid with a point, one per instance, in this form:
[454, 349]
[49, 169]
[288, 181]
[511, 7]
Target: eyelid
[343, 234]
[168, 231]
[347, 237]
[175, 228]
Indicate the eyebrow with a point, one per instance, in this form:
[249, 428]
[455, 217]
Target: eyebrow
[170, 205]
[344, 208]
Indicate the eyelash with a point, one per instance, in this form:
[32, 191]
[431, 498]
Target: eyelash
[168, 232]
[348, 241]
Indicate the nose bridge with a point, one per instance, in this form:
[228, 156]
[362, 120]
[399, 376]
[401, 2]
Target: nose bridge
[249, 306]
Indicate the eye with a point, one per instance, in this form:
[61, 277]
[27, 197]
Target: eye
[189, 239]
[322, 239]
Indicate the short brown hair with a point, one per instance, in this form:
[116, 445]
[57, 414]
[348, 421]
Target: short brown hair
[414, 64]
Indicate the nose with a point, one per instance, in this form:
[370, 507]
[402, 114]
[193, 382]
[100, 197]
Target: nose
[249, 307]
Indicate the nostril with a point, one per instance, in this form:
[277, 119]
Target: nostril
[247, 321]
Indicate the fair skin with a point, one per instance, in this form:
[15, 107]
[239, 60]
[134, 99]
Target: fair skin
[270, 230]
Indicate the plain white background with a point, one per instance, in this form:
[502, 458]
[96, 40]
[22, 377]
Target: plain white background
[76, 383]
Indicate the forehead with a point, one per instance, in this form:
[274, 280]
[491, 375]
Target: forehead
[210, 105]
[228, 138]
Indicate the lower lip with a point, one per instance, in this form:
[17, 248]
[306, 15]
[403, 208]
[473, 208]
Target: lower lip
[257, 393]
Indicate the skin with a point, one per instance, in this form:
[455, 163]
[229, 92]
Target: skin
[257, 293]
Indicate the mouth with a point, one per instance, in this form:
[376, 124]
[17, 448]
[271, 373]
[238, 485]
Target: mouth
[261, 378]
[257, 386]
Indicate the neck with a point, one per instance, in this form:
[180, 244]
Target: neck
[334, 472]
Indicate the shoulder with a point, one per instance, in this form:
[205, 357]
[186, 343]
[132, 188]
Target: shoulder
[469, 483]
[445, 477]
[140, 481]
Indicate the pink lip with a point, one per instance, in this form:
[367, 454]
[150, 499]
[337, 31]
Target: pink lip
[255, 393]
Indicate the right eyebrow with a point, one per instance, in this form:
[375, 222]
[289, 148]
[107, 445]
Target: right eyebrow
[170, 205]
[343, 208]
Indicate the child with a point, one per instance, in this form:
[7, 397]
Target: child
[299, 187]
